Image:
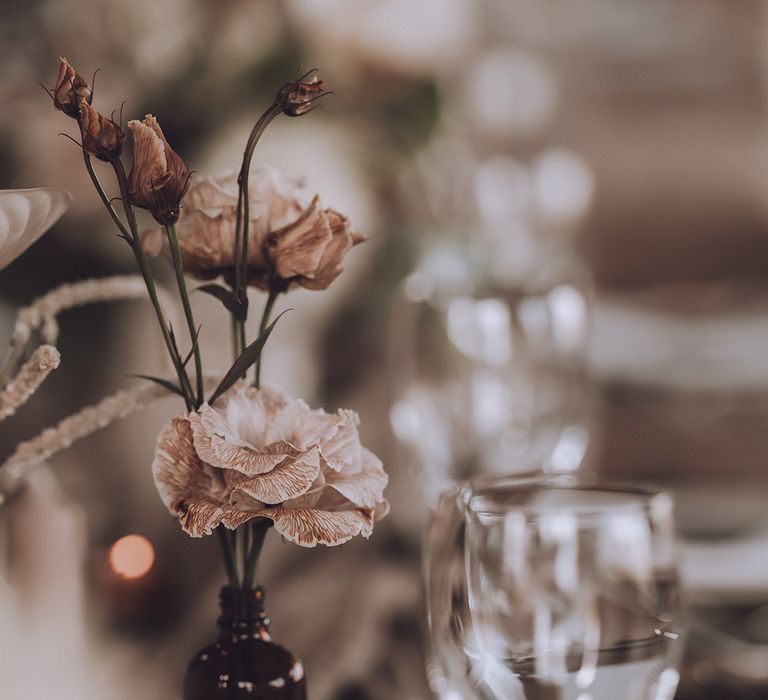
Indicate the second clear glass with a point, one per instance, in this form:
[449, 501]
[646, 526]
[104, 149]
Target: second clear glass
[554, 588]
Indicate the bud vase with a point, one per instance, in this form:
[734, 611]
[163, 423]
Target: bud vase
[244, 662]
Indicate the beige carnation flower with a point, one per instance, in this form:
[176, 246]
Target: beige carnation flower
[292, 239]
[260, 453]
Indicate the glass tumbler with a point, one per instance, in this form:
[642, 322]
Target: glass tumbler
[554, 588]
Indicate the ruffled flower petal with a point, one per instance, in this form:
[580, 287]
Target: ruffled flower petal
[287, 480]
[342, 240]
[189, 489]
[220, 452]
[366, 488]
[343, 449]
[297, 249]
[302, 426]
[308, 528]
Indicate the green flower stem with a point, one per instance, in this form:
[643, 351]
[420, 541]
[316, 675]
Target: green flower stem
[243, 201]
[141, 261]
[264, 321]
[178, 267]
[103, 196]
[258, 528]
[238, 338]
[228, 554]
[242, 222]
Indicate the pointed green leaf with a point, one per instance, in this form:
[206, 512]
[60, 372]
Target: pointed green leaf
[249, 357]
[236, 304]
[173, 340]
[194, 347]
[162, 382]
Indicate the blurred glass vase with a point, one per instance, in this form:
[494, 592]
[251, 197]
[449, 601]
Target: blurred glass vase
[492, 374]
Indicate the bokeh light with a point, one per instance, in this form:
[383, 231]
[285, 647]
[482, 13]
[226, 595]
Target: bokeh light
[132, 556]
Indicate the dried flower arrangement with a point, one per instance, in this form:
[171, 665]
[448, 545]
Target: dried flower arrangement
[242, 457]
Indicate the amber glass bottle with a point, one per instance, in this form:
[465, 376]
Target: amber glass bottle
[244, 662]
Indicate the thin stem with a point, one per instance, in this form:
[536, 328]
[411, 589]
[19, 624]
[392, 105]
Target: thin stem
[245, 534]
[238, 338]
[243, 200]
[141, 261]
[242, 221]
[178, 267]
[103, 196]
[258, 528]
[262, 327]
[227, 553]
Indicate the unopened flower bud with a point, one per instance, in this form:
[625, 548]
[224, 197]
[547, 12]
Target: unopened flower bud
[102, 138]
[297, 98]
[70, 88]
[159, 178]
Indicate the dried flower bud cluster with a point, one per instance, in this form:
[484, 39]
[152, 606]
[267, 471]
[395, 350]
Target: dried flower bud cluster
[70, 88]
[159, 178]
[298, 97]
[101, 137]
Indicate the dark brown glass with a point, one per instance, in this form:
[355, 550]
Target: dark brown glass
[244, 662]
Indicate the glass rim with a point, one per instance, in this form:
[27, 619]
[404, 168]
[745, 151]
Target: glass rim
[489, 498]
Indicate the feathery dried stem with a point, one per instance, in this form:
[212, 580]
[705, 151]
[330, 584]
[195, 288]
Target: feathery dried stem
[84, 423]
[33, 373]
[39, 319]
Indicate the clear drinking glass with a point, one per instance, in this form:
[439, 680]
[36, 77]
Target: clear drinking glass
[553, 588]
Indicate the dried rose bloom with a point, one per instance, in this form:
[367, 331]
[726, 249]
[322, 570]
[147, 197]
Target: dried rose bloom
[309, 251]
[70, 88]
[262, 454]
[297, 98]
[102, 138]
[293, 240]
[159, 178]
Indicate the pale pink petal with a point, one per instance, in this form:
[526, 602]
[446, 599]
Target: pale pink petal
[301, 426]
[286, 198]
[288, 480]
[321, 498]
[343, 450]
[297, 249]
[211, 193]
[309, 528]
[248, 460]
[250, 413]
[234, 518]
[330, 266]
[200, 517]
[148, 151]
[366, 488]
[216, 444]
[187, 487]
[381, 511]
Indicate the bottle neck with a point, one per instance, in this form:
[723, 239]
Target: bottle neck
[243, 611]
